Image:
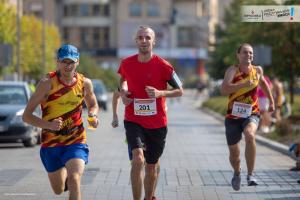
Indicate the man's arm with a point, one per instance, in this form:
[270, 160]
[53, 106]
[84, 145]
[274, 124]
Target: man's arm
[115, 106]
[228, 87]
[91, 101]
[38, 96]
[124, 92]
[266, 89]
[155, 93]
[279, 94]
[175, 92]
[115, 103]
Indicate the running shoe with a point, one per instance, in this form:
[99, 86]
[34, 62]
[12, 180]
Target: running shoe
[295, 168]
[236, 181]
[251, 180]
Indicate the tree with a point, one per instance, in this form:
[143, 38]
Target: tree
[31, 42]
[90, 69]
[7, 26]
[31, 47]
[282, 37]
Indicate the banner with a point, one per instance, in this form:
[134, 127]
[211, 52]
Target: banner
[274, 13]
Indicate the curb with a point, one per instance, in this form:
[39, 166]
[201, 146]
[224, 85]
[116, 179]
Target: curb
[284, 149]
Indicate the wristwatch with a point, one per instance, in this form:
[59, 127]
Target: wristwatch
[92, 115]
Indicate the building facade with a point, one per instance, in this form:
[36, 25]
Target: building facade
[105, 29]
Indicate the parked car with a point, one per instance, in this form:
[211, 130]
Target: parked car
[13, 99]
[101, 93]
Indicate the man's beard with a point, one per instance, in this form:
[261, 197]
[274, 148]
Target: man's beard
[144, 50]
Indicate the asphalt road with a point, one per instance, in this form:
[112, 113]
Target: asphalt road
[194, 165]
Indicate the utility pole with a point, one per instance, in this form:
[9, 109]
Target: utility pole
[19, 78]
[44, 38]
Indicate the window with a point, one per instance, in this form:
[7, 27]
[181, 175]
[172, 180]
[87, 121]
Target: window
[96, 10]
[84, 38]
[66, 34]
[153, 9]
[84, 10]
[66, 11]
[135, 9]
[106, 10]
[101, 37]
[101, 10]
[186, 37]
[73, 10]
[96, 37]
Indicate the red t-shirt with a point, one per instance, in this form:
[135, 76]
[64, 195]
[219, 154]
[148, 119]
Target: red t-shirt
[138, 75]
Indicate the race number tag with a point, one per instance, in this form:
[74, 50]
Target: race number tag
[145, 107]
[241, 109]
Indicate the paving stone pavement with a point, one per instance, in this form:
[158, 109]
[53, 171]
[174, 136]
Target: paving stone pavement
[194, 165]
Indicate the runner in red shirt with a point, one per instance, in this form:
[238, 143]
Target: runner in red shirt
[146, 76]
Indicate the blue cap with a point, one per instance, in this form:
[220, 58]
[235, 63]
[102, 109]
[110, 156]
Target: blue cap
[68, 51]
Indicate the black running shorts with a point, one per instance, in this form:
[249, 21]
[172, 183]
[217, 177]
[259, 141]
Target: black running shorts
[235, 127]
[152, 141]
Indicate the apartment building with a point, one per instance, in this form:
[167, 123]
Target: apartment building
[105, 29]
[184, 29]
[88, 24]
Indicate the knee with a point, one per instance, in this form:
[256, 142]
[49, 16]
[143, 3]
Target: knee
[74, 180]
[249, 136]
[138, 161]
[151, 168]
[58, 189]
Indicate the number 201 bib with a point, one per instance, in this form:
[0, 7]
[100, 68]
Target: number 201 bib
[145, 107]
[241, 109]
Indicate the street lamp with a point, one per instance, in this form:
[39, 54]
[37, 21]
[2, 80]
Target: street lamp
[18, 39]
[44, 38]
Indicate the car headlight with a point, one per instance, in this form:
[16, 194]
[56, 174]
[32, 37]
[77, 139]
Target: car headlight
[17, 119]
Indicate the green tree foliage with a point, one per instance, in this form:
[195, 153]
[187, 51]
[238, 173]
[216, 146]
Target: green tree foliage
[31, 42]
[234, 33]
[282, 37]
[90, 69]
[31, 47]
[7, 26]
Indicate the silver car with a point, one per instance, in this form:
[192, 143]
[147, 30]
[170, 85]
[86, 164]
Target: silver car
[13, 99]
[100, 93]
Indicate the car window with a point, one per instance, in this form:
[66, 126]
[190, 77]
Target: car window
[14, 95]
[99, 87]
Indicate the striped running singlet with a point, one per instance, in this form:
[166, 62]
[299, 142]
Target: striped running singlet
[65, 102]
[244, 96]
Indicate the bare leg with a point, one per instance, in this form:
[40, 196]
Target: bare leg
[136, 173]
[75, 168]
[158, 173]
[151, 176]
[57, 180]
[250, 151]
[234, 157]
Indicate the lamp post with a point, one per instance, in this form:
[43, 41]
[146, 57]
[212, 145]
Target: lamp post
[44, 38]
[18, 40]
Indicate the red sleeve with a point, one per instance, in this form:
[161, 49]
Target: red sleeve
[168, 70]
[121, 70]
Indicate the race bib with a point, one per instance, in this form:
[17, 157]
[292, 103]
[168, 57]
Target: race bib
[241, 109]
[145, 107]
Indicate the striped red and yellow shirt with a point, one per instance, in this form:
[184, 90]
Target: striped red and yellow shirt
[66, 102]
[246, 95]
